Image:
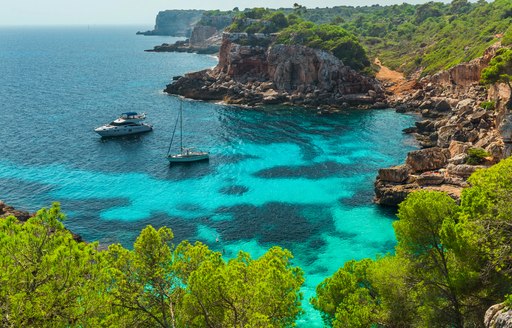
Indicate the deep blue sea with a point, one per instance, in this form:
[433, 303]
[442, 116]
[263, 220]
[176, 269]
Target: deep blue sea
[277, 175]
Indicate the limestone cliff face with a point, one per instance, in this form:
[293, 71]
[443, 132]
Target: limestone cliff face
[461, 78]
[501, 95]
[200, 35]
[175, 22]
[252, 71]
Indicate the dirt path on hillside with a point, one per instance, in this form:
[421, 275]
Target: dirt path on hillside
[393, 81]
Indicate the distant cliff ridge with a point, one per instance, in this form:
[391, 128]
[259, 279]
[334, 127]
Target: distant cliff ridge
[175, 22]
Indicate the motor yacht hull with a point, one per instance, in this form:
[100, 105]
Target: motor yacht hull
[117, 131]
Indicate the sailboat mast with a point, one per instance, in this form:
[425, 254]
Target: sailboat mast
[181, 126]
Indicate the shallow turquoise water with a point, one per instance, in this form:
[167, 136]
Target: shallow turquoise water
[277, 176]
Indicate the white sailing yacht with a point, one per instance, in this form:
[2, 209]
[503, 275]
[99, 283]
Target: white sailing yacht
[186, 154]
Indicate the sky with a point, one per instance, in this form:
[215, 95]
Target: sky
[138, 12]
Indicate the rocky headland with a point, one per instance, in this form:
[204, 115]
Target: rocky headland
[457, 115]
[253, 71]
[203, 40]
[205, 37]
[175, 22]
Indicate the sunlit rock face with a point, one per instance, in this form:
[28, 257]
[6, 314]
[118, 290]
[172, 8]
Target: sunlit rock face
[253, 71]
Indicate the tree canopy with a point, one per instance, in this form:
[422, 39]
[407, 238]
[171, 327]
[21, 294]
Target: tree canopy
[451, 262]
[50, 280]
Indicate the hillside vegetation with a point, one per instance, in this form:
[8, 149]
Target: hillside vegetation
[291, 29]
[422, 38]
[431, 36]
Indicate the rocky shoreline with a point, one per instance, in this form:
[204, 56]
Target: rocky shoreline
[23, 216]
[253, 72]
[453, 122]
[459, 117]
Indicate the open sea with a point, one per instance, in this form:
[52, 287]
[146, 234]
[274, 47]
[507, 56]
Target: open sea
[277, 175]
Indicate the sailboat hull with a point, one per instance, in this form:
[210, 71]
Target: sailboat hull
[190, 157]
[186, 155]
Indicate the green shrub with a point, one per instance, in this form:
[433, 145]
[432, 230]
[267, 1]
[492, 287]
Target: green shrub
[488, 105]
[335, 39]
[476, 156]
[508, 301]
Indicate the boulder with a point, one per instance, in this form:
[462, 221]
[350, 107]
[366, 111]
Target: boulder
[425, 126]
[430, 178]
[496, 149]
[466, 104]
[427, 104]
[410, 130]
[458, 159]
[445, 134]
[427, 159]
[498, 316]
[398, 174]
[457, 147]
[462, 170]
[478, 115]
[442, 106]
[392, 194]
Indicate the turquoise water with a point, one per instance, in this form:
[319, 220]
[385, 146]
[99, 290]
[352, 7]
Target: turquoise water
[276, 176]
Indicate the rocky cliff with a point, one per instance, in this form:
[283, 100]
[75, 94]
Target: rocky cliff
[453, 121]
[175, 22]
[498, 316]
[253, 71]
[204, 39]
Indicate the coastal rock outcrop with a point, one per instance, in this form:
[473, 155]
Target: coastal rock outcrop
[203, 40]
[498, 316]
[175, 22]
[6, 210]
[454, 121]
[205, 36]
[23, 216]
[252, 72]
[427, 159]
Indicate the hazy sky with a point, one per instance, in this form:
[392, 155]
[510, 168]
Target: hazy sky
[99, 12]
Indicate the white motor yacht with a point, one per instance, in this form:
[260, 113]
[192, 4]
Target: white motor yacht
[127, 123]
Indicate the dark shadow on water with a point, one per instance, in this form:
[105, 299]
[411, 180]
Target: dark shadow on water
[130, 138]
[314, 171]
[362, 197]
[272, 223]
[236, 190]
[387, 211]
[192, 170]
